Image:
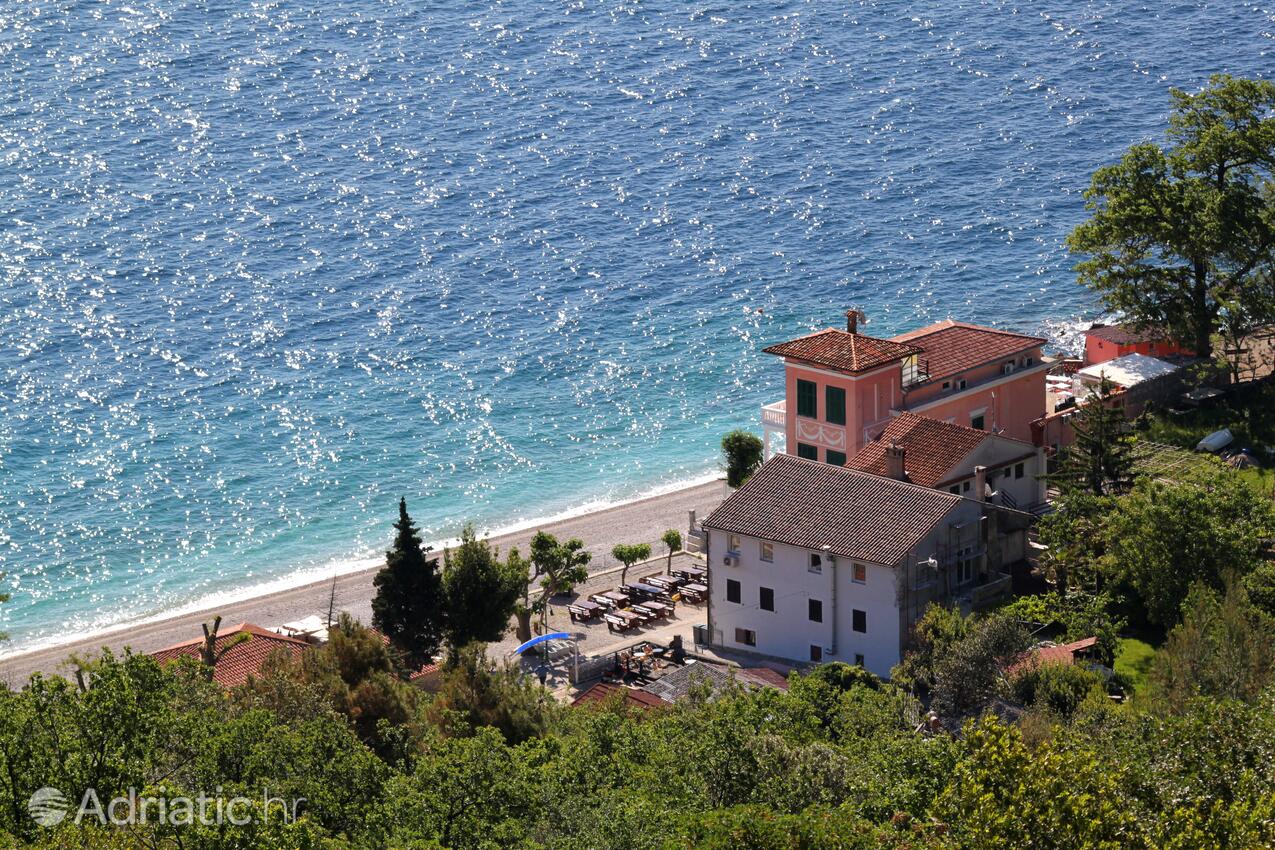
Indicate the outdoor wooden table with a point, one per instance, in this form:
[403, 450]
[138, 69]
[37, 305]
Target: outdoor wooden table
[657, 610]
[621, 621]
[666, 583]
[694, 592]
[690, 573]
[610, 599]
[583, 610]
[646, 591]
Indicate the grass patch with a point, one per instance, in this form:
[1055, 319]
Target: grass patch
[1133, 659]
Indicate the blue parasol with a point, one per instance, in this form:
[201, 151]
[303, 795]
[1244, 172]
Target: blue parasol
[535, 640]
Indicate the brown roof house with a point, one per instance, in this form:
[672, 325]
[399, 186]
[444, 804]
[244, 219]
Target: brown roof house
[241, 651]
[947, 456]
[810, 562]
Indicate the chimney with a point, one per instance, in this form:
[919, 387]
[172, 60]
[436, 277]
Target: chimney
[894, 468]
[980, 483]
[853, 317]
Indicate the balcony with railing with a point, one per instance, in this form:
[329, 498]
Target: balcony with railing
[775, 414]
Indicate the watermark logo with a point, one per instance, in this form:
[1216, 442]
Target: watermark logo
[48, 807]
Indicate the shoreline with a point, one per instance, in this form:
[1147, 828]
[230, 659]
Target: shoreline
[641, 519]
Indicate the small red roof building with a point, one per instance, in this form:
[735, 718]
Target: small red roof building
[1107, 342]
[242, 660]
[1067, 653]
[602, 691]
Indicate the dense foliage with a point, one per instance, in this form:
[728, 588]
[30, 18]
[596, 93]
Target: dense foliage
[491, 762]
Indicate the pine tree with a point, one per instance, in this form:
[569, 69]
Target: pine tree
[408, 607]
[1100, 460]
[482, 591]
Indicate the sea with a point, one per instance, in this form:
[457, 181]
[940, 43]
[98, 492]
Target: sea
[265, 267]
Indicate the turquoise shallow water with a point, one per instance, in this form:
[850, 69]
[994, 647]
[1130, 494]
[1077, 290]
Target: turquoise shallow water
[267, 266]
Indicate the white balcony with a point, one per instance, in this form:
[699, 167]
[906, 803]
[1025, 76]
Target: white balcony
[775, 414]
[774, 421]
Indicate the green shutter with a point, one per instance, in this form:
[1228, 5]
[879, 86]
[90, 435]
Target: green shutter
[835, 405]
[807, 398]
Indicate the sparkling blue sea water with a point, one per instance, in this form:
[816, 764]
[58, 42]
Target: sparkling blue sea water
[265, 266]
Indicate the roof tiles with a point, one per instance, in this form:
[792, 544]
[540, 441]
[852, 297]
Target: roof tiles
[810, 504]
[241, 660]
[841, 350]
[932, 448]
[949, 347]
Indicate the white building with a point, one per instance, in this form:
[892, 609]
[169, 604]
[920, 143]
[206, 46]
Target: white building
[814, 562]
[946, 456]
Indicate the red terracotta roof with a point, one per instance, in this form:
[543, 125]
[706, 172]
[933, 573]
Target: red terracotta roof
[949, 347]
[240, 661]
[602, 691]
[763, 676]
[841, 350]
[1125, 334]
[1042, 655]
[810, 504]
[933, 448]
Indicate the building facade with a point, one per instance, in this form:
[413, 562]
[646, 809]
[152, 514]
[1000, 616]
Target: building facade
[811, 563]
[843, 387]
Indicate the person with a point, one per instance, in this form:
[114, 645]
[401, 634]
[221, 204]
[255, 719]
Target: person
[542, 672]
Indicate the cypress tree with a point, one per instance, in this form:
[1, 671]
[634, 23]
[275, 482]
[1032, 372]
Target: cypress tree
[1100, 459]
[408, 606]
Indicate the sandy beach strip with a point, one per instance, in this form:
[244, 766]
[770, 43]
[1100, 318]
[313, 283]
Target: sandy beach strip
[640, 521]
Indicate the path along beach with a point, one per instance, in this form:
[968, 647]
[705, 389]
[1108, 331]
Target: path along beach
[640, 521]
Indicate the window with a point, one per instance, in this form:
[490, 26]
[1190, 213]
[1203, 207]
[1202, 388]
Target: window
[977, 421]
[858, 659]
[1018, 471]
[1030, 360]
[835, 458]
[816, 611]
[816, 652]
[859, 574]
[816, 563]
[859, 620]
[965, 562]
[955, 488]
[965, 488]
[732, 543]
[767, 551]
[807, 451]
[747, 637]
[807, 398]
[960, 385]
[947, 385]
[732, 591]
[767, 599]
[834, 405]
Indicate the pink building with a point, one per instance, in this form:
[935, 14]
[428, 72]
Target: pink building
[1107, 342]
[842, 387]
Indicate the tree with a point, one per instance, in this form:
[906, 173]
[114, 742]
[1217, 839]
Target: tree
[1179, 237]
[1100, 459]
[629, 554]
[558, 566]
[931, 637]
[1162, 537]
[210, 652]
[742, 452]
[673, 541]
[408, 606]
[1223, 648]
[480, 590]
[968, 675]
